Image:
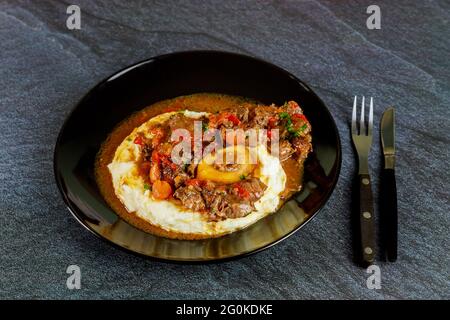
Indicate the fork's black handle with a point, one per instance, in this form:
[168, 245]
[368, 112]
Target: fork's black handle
[389, 213]
[366, 219]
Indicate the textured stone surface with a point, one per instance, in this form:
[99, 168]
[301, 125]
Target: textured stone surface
[46, 68]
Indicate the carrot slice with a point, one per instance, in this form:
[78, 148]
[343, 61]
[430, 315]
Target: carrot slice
[161, 190]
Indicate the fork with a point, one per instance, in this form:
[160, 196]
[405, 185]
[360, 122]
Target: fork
[362, 141]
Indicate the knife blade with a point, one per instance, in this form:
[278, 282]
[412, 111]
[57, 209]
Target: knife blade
[388, 194]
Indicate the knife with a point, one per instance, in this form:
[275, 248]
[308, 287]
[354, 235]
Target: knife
[388, 194]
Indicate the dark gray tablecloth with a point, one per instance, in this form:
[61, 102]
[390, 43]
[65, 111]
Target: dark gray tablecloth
[46, 68]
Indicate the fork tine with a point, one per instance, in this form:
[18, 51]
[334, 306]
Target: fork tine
[362, 128]
[354, 129]
[370, 117]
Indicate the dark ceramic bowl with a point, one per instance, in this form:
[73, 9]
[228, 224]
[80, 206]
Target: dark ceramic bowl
[170, 76]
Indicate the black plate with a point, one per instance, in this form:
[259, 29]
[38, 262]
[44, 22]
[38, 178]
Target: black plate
[170, 76]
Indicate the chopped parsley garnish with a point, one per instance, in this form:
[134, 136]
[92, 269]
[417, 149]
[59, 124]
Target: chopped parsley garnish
[205, 126]
[303, 127]
[284, 115]
[242, 177]
[129, 139]
[289, 126]
[147, 186]
[296, 133]
[290, 129]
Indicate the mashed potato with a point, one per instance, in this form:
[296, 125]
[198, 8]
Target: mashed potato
[130, 188]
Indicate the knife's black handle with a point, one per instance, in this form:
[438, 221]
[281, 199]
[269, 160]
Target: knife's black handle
[389, 217]
[366, 219]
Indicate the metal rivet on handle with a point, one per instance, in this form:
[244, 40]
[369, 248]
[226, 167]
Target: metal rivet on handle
[368, 250]
[367, 215]
[365, 181]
